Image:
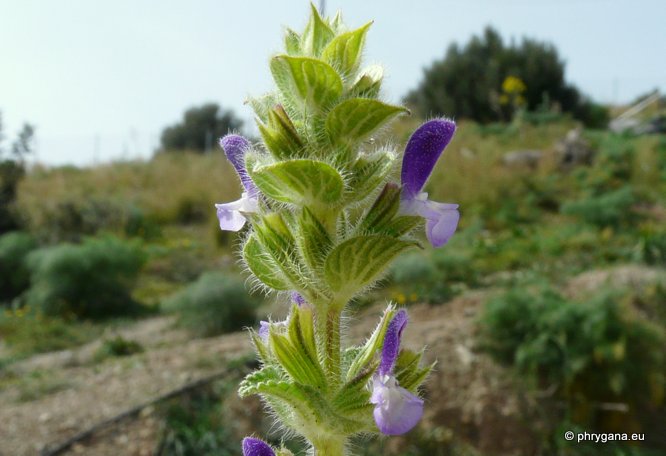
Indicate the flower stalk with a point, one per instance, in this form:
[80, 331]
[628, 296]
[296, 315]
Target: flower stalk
[322, 220]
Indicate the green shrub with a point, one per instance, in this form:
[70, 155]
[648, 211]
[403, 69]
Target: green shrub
[139, 225]
[542, 332]
[11, 173]
[118, 346]
[651, 248]
[197, 425]
[14, 274]
[433, 277]
[90, 280]
[591, 352]
[200, 128]
[468, 82]
[216, 303]
[610, 209]
[26, 332]
[418, 277]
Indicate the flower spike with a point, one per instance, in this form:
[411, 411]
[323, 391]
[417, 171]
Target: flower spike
[256, 447]
[421, 154]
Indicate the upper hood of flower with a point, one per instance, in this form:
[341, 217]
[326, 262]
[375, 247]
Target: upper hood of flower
[422, 152]
[235, 147]
[391, 346]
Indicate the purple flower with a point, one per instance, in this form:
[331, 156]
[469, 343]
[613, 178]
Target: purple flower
[231, 214]
[256, 447]
[298, 299]
[396, 409]
[421, 154]
[265, 326]
[235, 147]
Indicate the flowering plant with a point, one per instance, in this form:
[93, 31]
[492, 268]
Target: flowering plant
[326, 220]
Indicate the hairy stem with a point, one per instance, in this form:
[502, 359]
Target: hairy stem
[333, 344]
[327, 334]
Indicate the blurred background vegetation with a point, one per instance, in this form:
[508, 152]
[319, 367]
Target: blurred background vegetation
[547, 195]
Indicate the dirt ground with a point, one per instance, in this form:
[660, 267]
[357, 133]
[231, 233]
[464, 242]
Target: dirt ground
[468, 394]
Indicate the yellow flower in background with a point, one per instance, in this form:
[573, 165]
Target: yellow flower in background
[513, 85]
[512, 92]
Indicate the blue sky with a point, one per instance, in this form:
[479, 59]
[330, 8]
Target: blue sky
[100, 79]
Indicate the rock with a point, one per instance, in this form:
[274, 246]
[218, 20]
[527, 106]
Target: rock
[573, 150]
[522, 158]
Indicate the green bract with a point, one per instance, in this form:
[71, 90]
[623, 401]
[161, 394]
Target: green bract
[327, 227]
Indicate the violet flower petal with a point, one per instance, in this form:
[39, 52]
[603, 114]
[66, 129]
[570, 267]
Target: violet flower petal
[298, 299]
[391, 346]
[235, 147]
[441, 218]
[265, 327]
[231, 215]
[256, 447]
[441, 222]
[264, 330]
[422, 152]
[396, 409]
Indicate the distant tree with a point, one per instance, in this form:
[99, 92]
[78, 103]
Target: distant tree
[467, 82]
[12, 170]
[200, 128]
[23, 145]
[2, 136]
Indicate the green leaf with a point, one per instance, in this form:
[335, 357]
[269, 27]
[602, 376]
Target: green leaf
[381, 218]
[301, 334]
[401, 225]
[336, 23]
[263, 267]
[262, 105]
[317, 34]
[354, 393]
[295, 359]
[344, 51]
[358, 261]
[407, 370]
[368, 173]
[354, 120]
[280, 134]
[306, 326]
[291, 394]
[260, 347]
[302, 182]
[306, 82]
[277, 240]
[366, 353]
[314, 241]
[254, 379]
[368, 82]
[292, 42]
[383, 210]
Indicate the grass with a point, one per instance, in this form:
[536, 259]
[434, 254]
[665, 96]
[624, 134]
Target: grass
[38, 384]
[117, 347]
[26, 332]
[170, 188]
